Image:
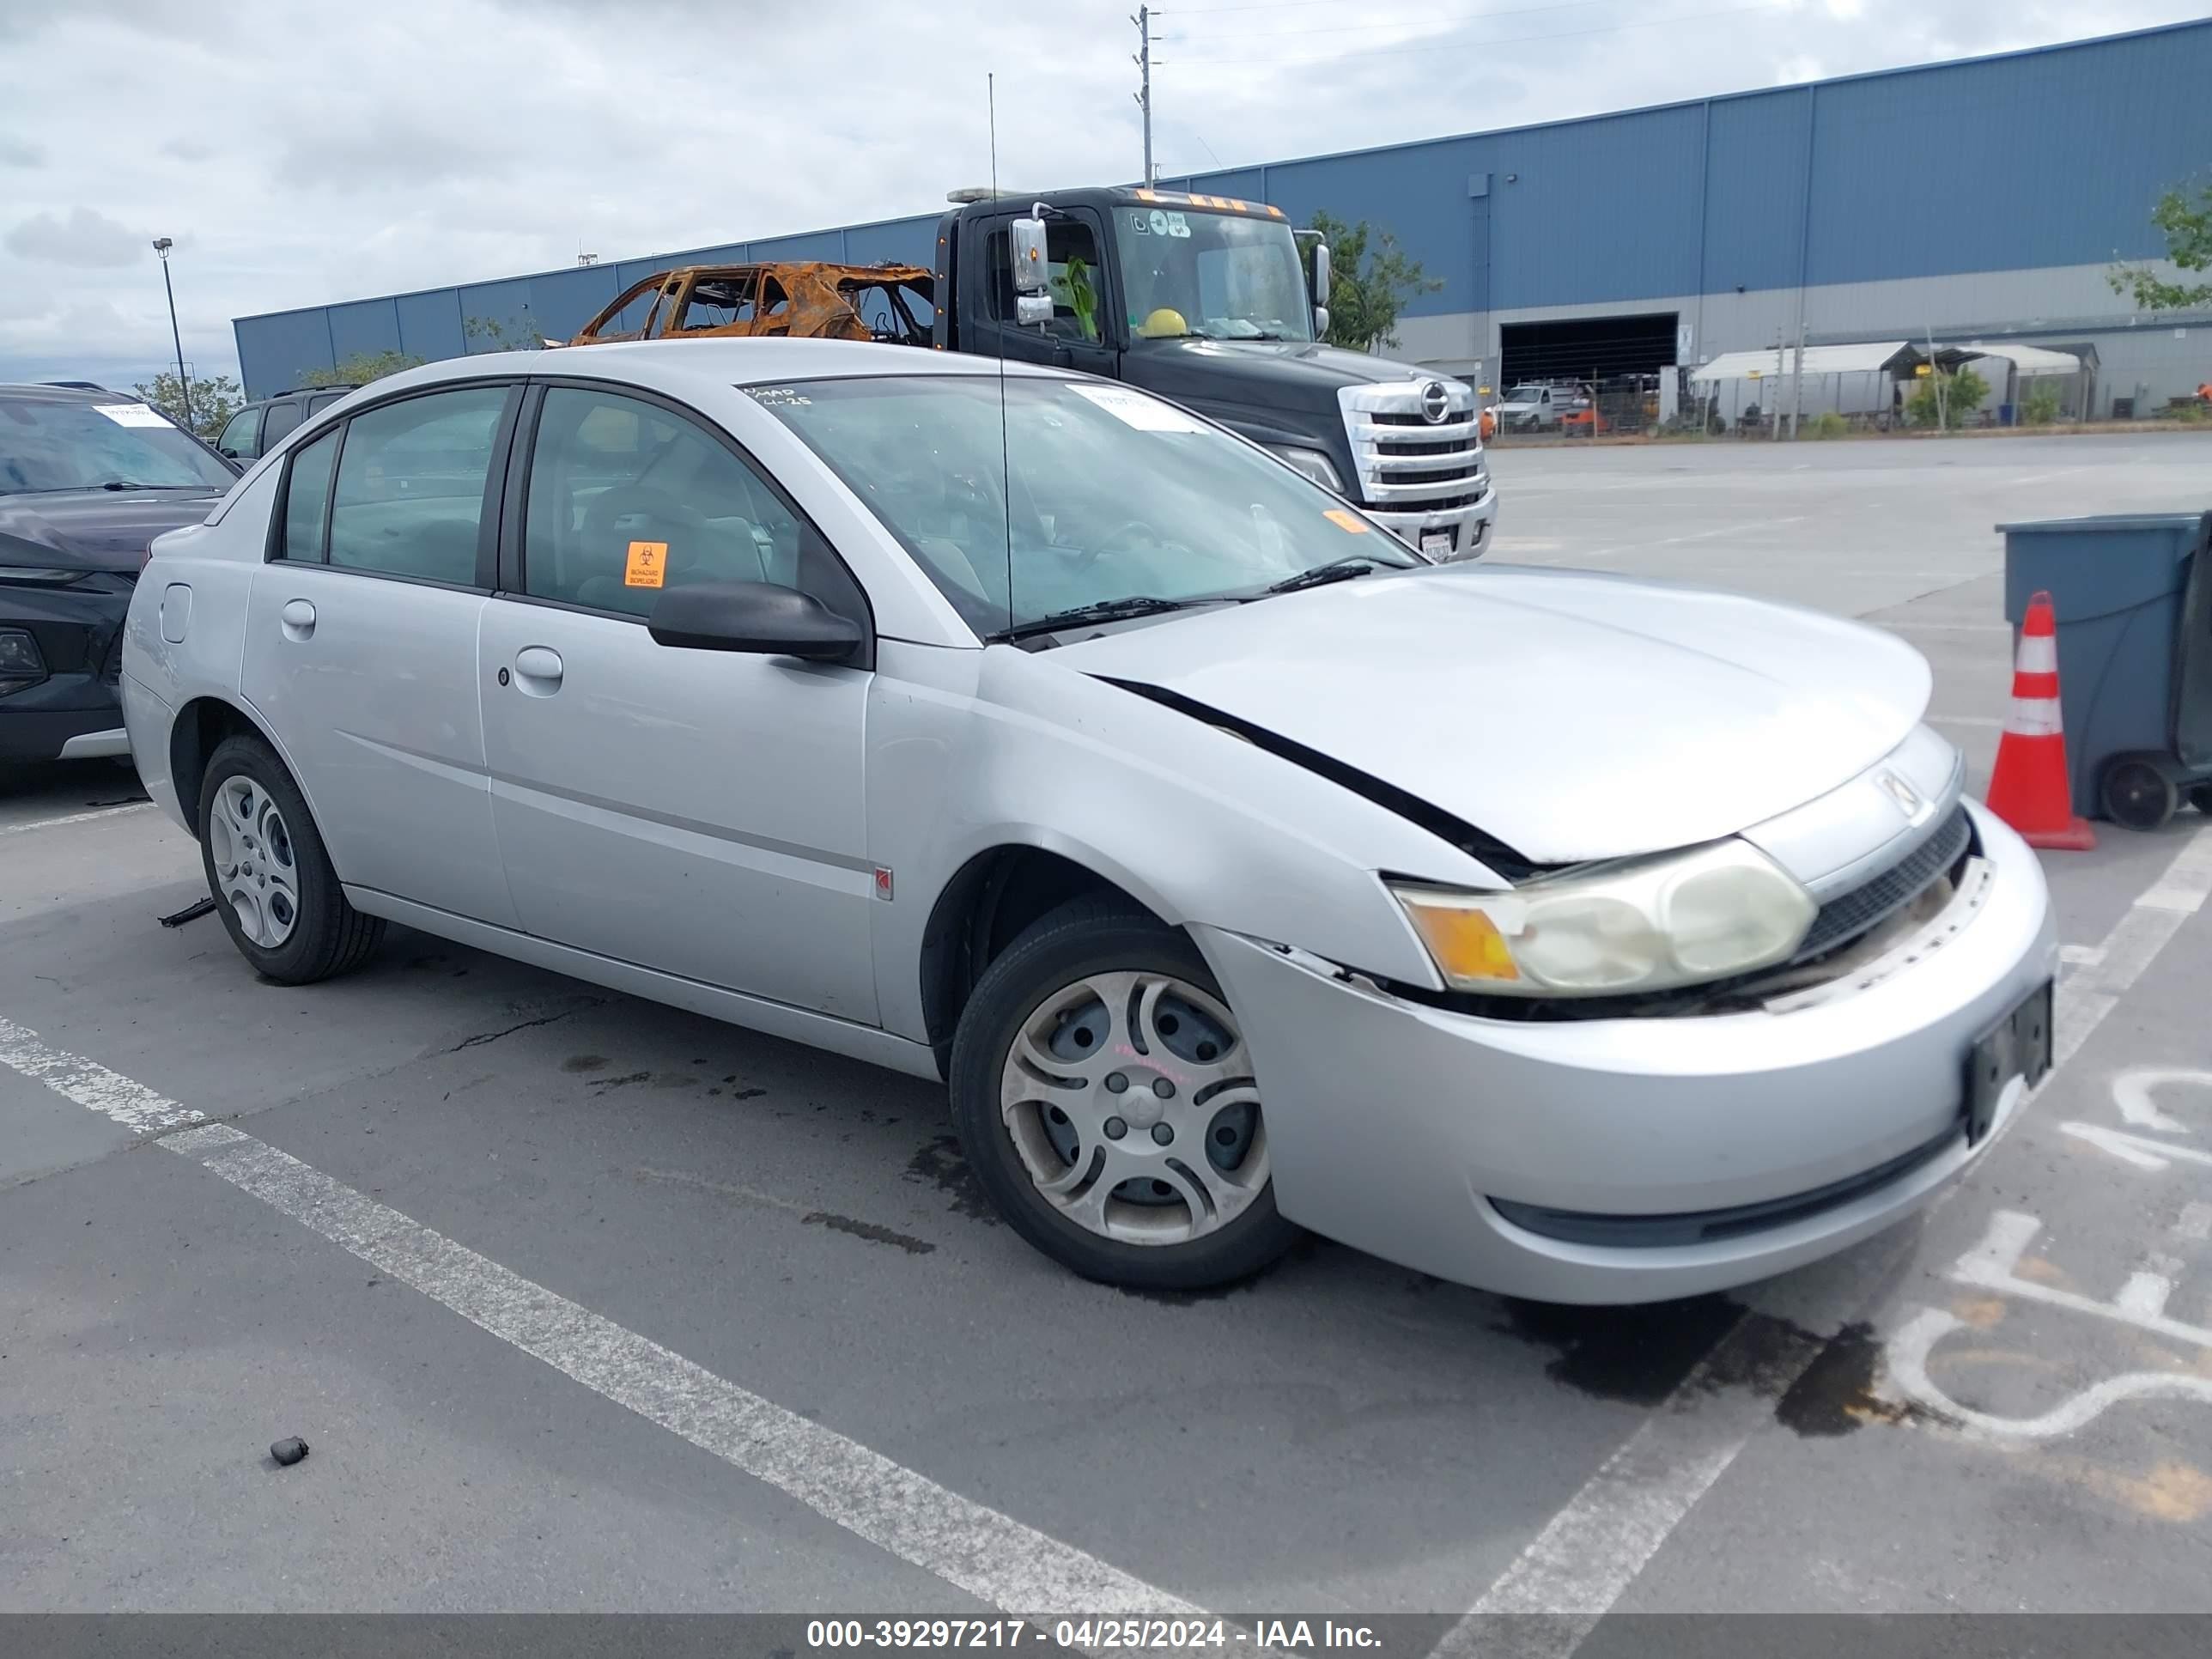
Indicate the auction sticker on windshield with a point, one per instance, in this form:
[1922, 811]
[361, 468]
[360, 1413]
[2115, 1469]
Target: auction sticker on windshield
[1134, 409]
[132, 414]
[1349, 523]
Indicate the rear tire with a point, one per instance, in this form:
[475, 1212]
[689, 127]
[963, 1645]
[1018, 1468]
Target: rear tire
[1103, 1097]
[274, 887]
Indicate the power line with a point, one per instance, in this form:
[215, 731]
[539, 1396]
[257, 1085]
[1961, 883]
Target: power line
[1370, 24]
[1431, 46]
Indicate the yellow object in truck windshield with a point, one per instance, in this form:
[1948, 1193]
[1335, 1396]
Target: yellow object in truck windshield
[1466, 943]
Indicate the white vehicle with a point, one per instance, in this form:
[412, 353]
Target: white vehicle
[1535, 408]
[1239, 868]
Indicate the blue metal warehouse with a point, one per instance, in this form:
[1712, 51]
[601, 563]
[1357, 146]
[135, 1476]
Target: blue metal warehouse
[1982, 200]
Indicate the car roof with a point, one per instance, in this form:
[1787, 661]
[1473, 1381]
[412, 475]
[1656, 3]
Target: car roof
[26, 392]
[675, 365]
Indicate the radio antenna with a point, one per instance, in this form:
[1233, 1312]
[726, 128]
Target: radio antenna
[1005, 464]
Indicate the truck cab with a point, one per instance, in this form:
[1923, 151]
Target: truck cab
[1209, 300]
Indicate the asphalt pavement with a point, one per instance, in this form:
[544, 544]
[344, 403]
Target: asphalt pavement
[584, 1303]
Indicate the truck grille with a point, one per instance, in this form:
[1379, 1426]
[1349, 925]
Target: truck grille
[1407, 462]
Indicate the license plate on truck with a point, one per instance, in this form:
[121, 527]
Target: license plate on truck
[1437, 544]
[2017, 1045]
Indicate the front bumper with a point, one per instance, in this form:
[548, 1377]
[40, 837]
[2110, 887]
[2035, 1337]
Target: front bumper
[1392, 1125]
[72, 712]
[1466, 530]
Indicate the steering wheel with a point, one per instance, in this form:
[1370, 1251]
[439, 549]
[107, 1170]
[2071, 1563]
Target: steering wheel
[1124, 538]
[644, 500]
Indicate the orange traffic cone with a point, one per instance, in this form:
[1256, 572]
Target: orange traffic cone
[2028, 789]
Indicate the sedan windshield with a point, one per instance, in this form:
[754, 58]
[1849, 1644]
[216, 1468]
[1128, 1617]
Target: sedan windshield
[50, 445]
[1079, 496]
[1216, 275]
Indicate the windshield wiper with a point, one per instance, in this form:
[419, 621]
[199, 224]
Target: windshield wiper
[1133, 604]
[1336, 570]
[126, 483]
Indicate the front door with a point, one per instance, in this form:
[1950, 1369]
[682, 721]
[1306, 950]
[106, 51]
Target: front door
[1085, 332]
[360, 643]
[699, 812]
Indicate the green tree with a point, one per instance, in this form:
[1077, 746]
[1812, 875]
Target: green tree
[1368, 287]
[1947, 399]
[514, 334]
[2185, 216]
[216, 398]
[360, 368]
[2041, 405]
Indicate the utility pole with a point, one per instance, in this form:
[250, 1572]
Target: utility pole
[161, 246]
[1143, 60]
[1797, 382]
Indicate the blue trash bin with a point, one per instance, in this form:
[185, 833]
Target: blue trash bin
[2133, 597]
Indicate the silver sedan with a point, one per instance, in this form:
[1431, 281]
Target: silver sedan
[1239, 870]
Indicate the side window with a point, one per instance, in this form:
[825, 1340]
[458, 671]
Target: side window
[1070, 254]
[627, 499]
[323, 400]
[307, 495]
[411, 485]
[237, 439]
[283, 417]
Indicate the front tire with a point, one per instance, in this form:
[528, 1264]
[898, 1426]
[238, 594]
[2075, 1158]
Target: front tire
[273, 885]
[1103, 1092]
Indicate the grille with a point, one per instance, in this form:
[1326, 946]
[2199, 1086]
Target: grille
[1406, 447]
[1431, 475]
[1385, 418]
[1848, 914]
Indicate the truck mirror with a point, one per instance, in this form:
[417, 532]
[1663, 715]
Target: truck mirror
[1031, 274]
[1321, 274]
[1320, 321]
[1032, 308]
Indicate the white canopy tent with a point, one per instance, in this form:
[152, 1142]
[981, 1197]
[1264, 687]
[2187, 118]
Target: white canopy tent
[1840, 379]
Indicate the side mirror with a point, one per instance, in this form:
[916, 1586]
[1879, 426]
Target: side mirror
[1320, 321]
[1321, 275]
[1032, 275]
[757, 617]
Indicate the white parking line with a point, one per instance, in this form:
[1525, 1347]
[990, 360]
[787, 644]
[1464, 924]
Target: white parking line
[1576, 1568]
[73, 818]
[977, 1549]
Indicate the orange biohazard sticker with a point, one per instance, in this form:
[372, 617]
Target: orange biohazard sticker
[647, 565]
[1336, 515]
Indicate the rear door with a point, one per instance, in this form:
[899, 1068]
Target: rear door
[361, 641]
[698, 812]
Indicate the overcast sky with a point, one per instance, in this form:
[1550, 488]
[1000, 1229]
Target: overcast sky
[300, 151]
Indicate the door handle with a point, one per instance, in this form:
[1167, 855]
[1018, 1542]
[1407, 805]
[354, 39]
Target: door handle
[537, 670]
[299, 619]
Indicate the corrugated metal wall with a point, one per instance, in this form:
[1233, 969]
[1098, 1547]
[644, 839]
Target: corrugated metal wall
[2035, 160]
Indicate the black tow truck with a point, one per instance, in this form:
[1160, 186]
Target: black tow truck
[1212, 302]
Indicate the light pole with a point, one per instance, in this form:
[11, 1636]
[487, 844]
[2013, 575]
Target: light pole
[161, 246]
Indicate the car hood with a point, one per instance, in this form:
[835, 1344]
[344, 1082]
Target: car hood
[1258, 374]
[1571, 715]
[95, 528]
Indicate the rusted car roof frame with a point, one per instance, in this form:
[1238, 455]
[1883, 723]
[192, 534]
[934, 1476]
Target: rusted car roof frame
[818, 300]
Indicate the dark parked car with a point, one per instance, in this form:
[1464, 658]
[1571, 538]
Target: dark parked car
[88, 479]
[262, 425]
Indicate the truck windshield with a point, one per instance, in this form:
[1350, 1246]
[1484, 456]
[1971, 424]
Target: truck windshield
[53, 445]
[1081, 494]
[1221, 276]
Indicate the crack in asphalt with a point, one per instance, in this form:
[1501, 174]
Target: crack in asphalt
[483, 1037]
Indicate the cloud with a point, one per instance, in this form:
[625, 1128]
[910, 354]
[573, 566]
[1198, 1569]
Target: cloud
[87, 239]
[418, 143]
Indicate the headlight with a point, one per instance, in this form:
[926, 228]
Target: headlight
[1646, 925]
[1314, 464]
[31, 576]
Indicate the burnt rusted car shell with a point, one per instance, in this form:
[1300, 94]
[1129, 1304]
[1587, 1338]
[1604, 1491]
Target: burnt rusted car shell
[799, 301]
